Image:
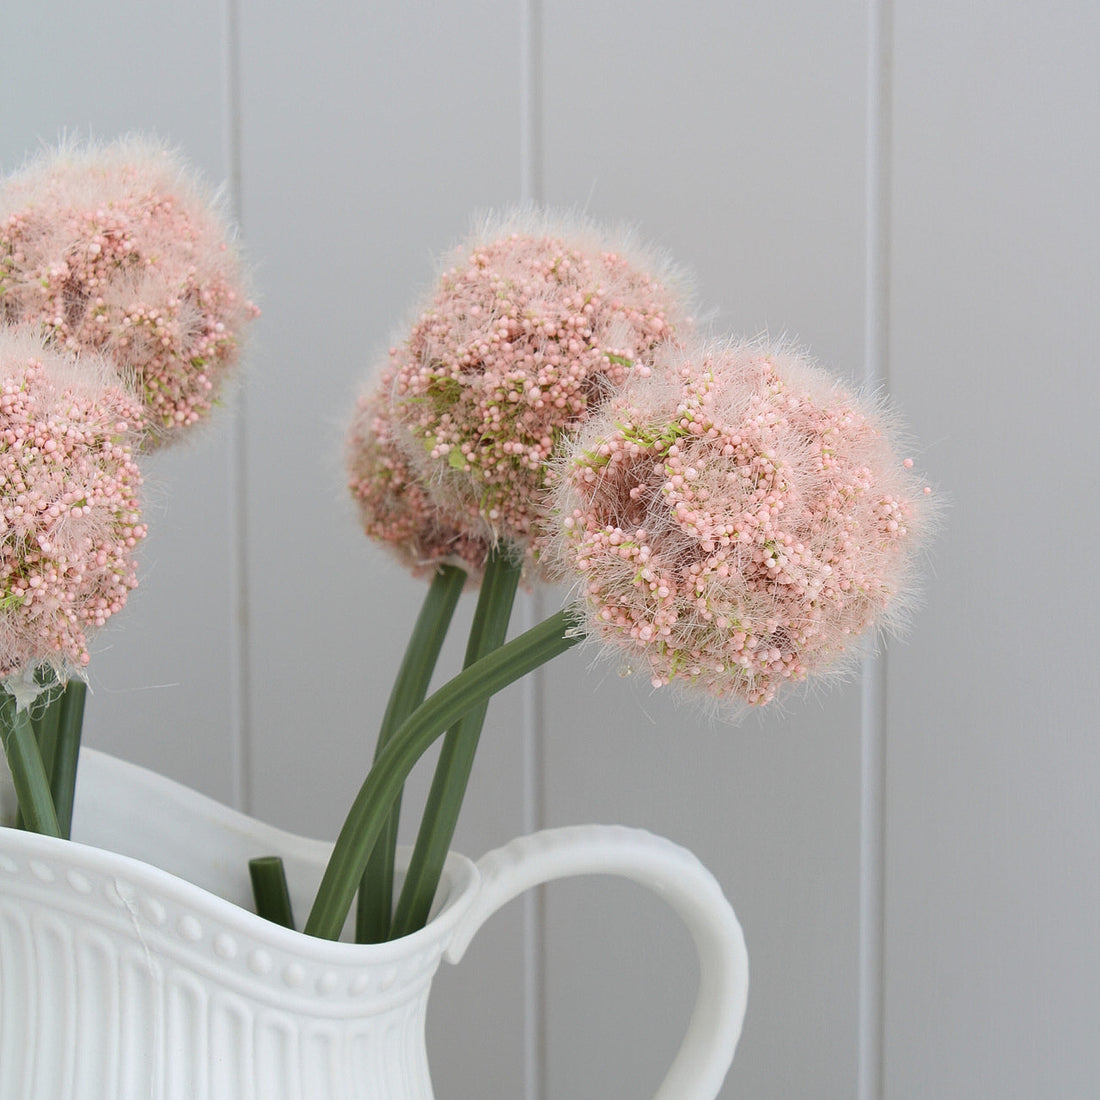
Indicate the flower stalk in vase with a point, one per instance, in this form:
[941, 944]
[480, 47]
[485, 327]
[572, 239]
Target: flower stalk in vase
[69, 486]
[123, 300]
[375, 903]
[532, 322]
[733, 520]
[729, 518]
[368, 813]
[32, 783]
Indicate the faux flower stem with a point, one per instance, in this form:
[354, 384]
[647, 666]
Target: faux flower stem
[375, 906]
[269, 890]
[45, 719]
[70, 724]
[437, 713]
[32, 787]
[452, 772]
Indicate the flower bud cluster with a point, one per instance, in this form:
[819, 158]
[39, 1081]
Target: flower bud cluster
[526, 332]
[729, 515]
[69, 494]
[122, 310]
[118, 250]
[736, 521]
[394, 505]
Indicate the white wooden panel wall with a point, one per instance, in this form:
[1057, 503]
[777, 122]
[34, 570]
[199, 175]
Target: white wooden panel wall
[737, 140]
[993, 831]
[773, 149]
[162, 677]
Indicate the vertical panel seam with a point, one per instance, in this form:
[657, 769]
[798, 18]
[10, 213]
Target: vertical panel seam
[237, 472]
[872, 874]
[534, 773]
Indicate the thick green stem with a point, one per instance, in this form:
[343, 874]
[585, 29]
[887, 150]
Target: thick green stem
[373, 913]
[45, 719]
[437, 713]
[45, 712]
[269, 890]
[32, 786]
[70, 725]
[456, 759]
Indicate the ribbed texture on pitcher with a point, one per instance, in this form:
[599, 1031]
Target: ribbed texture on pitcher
[111, 990]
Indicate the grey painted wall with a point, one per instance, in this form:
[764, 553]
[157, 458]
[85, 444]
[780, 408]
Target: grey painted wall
[911, 189]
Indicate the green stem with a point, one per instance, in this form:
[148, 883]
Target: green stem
[70, 725]
[29, 776]
[456, 759]
[45, 717]
[45, 711]
[371, 806]
[373, 913]
[269, 889]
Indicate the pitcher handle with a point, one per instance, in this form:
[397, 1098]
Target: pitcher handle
[677, 876]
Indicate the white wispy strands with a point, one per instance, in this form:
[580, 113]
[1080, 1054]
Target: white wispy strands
[69, 497]
[737, 520]
[122, 250]
[533, 322]
[394, 506]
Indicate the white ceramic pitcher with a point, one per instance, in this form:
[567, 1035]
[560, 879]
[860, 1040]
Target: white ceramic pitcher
[131, 966]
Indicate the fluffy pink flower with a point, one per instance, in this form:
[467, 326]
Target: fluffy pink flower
[533, 322]
[737, 521]
[69, 494]
[394, 506]
[118, 249]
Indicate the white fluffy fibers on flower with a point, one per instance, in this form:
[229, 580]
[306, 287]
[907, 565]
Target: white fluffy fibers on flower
[531, 324]
[121, 250]
[394, 506]
[69, 498]
[737, 520]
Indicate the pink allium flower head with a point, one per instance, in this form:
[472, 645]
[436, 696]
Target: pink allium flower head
[119, 249]
[532, 323]
[69, 494]
[394, 506]
[737, 520]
